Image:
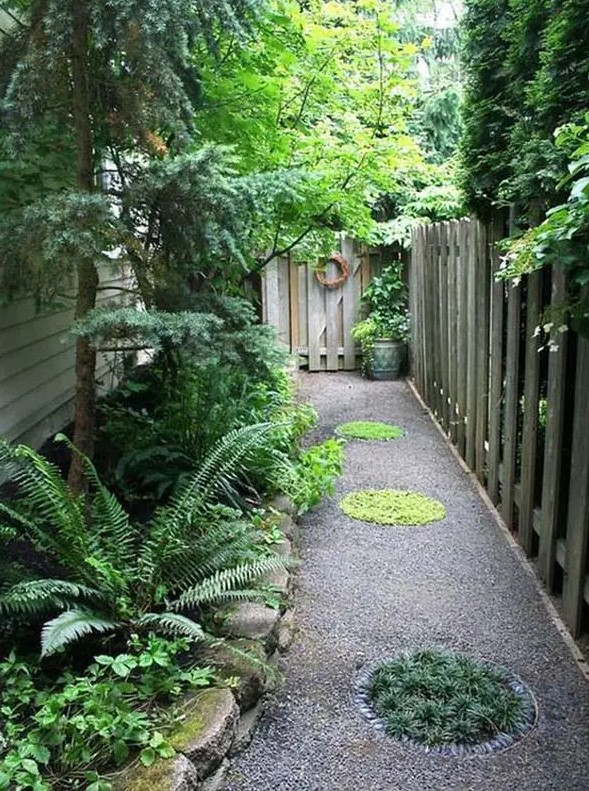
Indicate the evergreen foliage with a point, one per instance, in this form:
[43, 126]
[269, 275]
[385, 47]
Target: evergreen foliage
[527, 67]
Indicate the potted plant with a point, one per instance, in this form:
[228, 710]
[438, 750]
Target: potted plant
[384, 331]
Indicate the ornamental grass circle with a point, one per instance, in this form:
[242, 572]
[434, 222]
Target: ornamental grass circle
[392, 507]
[446, 703]
[369, 430]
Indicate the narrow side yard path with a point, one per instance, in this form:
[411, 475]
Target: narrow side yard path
[367, 592]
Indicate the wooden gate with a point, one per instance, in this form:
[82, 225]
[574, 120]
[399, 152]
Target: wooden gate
[313, 321]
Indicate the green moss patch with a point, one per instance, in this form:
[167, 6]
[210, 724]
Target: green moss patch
[370, 430]
[392, 507]
[446, 700]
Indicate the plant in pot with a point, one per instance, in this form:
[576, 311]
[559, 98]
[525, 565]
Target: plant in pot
[384, 331]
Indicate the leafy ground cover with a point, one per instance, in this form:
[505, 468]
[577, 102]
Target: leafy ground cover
[439, 698]
[369, 430]
[392, 507]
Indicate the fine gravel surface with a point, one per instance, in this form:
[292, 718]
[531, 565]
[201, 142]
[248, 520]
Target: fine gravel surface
[367, 592]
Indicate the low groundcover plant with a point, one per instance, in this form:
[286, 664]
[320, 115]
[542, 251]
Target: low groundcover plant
[369, 430]
[391, 507]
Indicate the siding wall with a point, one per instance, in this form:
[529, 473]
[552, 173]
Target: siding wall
[37, 367]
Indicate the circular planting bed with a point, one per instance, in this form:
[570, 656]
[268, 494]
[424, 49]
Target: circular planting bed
[392, 507]
[447, 703]
[369, 430]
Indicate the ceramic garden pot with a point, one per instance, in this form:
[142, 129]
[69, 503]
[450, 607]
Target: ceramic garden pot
[388, 358]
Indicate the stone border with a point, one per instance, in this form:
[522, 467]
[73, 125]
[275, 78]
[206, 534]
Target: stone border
[499, 743]
[219, 722]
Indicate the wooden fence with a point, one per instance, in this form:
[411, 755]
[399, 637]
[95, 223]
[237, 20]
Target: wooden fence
[517, 412]
[315, 322]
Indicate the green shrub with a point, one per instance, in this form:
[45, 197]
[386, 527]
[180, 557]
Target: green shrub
[315, 473]
[124, 577]
[74, 728]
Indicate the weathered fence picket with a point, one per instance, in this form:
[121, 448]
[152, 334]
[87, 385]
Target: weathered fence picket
[503, 399]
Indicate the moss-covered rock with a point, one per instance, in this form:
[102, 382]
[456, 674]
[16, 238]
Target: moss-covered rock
[245, 659]
[207, 730]
[176, 774]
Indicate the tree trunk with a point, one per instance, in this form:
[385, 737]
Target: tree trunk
[85, 410]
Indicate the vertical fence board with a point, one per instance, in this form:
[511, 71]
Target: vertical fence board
[294, 307]
[349, 304]
[452, 331]
[511, 403]
[471, 346]
[496, 369]
[315, 314]
[444, 333]
[332, 339]
[577, 536]
[551, 479]
[482, 336]
[530, 422]
[462, 339]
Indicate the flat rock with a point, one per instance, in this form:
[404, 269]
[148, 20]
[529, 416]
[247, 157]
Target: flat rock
[245, 659]
[288, 526]
[279, 579]
[246, 728]
[210, 722]
[286, 631]
[216, 781]
[252, 620]
[283, 548]
[175, 774]
[283, 504]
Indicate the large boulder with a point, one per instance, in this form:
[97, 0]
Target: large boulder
[253, 621]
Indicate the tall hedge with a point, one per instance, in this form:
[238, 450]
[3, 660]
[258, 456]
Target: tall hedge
[527, 71]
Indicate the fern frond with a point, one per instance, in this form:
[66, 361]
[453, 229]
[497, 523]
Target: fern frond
[172, 523]
[36, 596]
[70, 626]
[59, 521]
[111, 535]
[227, 584]
[172, 623]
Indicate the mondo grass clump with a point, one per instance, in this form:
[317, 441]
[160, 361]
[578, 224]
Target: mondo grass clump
[369, 430]
[447, 702]
[392, 507]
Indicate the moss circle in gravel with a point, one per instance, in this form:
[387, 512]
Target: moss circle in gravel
[392, 507]
[446, 702]
[369, 429]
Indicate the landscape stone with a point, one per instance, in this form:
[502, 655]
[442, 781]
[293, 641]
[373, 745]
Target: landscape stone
[246, 728]
[217, 779]
[210, 722]
[175, 774]
[286, 631]
[283, 504]
[253, 621]
[283, 548]
[232, 658]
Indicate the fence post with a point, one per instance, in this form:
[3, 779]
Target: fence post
[482, 379]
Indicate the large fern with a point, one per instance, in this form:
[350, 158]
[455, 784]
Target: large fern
[127, 577]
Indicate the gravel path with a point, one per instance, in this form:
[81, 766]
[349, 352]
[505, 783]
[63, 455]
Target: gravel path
[367, 592]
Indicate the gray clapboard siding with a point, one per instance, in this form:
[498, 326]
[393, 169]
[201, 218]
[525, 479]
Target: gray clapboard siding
[37, 354]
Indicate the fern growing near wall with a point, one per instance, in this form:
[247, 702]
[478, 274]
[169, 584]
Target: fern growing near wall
[125, 577]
